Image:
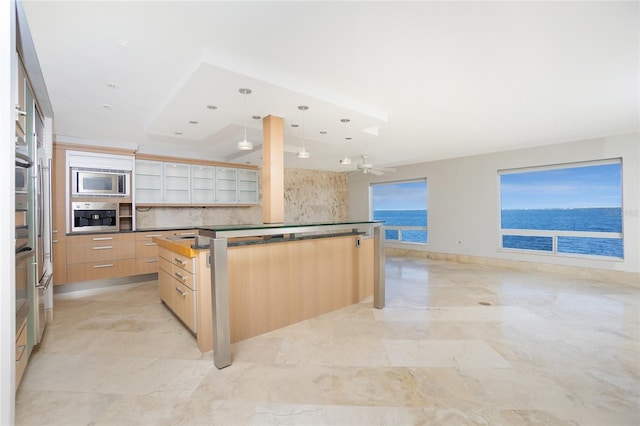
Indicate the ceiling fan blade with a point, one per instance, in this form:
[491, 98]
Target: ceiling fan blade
[376, 172]
[387, 169]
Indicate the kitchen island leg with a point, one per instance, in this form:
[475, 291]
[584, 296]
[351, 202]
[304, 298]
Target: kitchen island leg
[220, 303]
[378, 268]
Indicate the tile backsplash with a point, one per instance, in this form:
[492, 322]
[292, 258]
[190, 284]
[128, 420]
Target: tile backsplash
[309, 196]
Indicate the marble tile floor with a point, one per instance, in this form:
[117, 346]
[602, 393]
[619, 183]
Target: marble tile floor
[457, 344]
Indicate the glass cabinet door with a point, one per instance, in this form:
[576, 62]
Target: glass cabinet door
[177, 183]
[247, 186]
[203, 184]
[226, 185]
[148, 181]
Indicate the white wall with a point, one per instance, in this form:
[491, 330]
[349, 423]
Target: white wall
[463, 198]
[7, 220]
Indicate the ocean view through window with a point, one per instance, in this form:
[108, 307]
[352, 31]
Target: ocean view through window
[571, 209]
[403, 208]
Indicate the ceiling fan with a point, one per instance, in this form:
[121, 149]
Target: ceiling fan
[366, 168]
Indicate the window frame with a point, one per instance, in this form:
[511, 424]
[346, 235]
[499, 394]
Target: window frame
[399, 242]
[555, 234]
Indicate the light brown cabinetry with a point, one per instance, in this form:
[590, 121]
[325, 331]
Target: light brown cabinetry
[177, 286]
[147, 254]
[58, 211]
[59, 259]
[22, 354]
[99, 256]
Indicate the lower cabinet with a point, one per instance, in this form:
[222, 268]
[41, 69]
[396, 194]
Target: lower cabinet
[59, 245]
[176, 283]
[99, 256]
[22, 354]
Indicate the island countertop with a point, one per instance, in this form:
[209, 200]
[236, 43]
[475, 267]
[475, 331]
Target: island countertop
[179, 245]
[256, 230]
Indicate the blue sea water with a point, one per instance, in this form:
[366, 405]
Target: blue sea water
[589, 220]
[403, 218]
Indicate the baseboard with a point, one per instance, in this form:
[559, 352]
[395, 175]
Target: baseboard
[605, 275]
[110, 282]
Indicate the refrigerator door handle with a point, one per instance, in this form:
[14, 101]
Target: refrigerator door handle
[45, 285]
[49, 190]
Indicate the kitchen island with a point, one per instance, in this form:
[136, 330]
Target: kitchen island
[251, 279]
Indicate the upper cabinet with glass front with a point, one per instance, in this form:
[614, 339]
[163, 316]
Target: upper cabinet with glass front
[177, 183]
[247, 186]
[203, 184]
[181, 183]
[148, 182]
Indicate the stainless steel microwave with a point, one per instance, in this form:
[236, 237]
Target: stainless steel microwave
[104, 183]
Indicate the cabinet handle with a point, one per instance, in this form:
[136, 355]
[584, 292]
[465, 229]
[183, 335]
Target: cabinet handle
[108, 265]
[151, 236]
[54, 241]
[181, 291]
[179, 275]
[187, 233]
[19, 111]
[103, 239]
[20, 348]
[150, 244]
[151, 261]
[55, 231]
[103, 248]
[180, 261]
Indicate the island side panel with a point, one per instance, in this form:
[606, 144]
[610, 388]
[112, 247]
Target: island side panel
[274, 285]
[203, 304]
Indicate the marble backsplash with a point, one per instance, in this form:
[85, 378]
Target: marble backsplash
[309, 196]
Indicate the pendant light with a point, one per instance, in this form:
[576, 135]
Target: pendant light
[245, 145]
[303, 153]
[346, 160]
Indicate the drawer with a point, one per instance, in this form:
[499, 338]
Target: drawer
[147, 265]
[146, 248]
[148, 236]
[177, 259]
[165, 287]
[102, 238]
[184, 304]
[21, 353]
[183, 276]
[179, 298]
[183, 233]
[99, 270]
[164, 265]
[99, 251]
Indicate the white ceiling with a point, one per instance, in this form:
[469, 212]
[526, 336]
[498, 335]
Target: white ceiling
[436, 79]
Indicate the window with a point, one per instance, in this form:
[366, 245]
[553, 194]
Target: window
[571, 209]
[403, 208]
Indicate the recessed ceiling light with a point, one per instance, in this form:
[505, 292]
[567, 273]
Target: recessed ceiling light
[193, 122]
[123, 44]
[113, 85]
[212, 107]
[106, 106]
[177, 133]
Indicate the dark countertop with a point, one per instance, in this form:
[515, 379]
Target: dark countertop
[258, 228]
